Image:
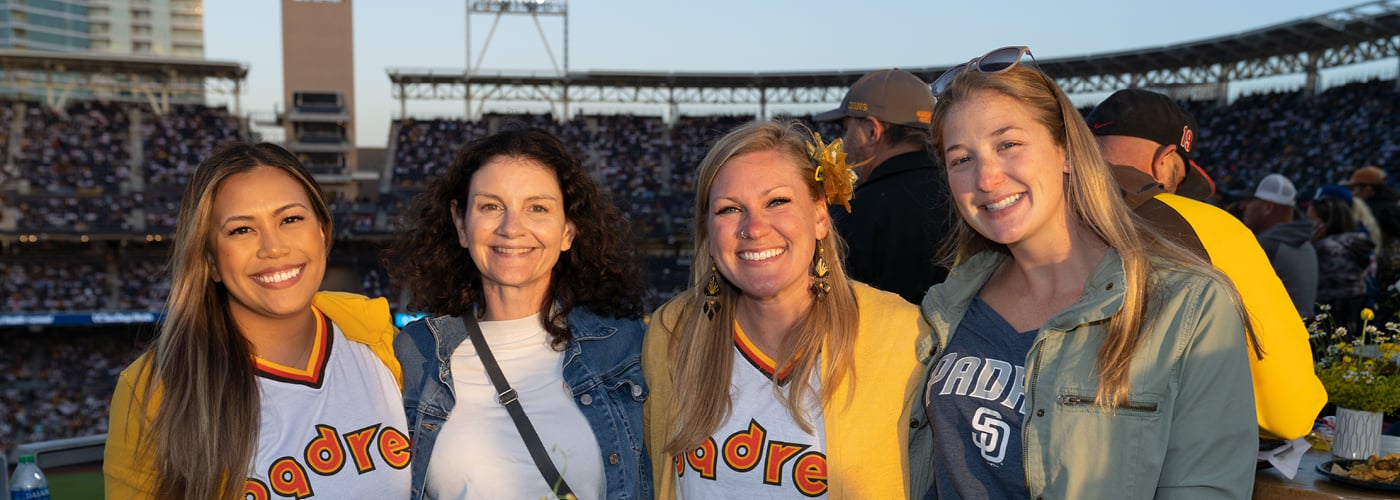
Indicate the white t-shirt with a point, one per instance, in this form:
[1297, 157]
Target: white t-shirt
[760, 451]
[479, 453]
[333, 430]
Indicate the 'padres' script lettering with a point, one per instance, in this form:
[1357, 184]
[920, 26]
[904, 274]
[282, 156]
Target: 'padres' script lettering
[987, 379]
[326, 455]
[745, 450]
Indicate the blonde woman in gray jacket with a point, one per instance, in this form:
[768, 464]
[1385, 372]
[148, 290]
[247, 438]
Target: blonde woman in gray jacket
[1076, 354]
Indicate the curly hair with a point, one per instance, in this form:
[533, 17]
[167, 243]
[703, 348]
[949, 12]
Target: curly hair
[599, 272]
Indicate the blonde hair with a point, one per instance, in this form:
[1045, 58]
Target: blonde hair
[1093, 197]
[203, 435]
[702, 352]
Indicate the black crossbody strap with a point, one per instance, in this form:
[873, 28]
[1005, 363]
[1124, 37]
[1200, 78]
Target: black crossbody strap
[506, 396]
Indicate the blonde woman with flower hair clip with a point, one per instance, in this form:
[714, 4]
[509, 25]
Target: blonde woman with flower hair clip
[775, 375]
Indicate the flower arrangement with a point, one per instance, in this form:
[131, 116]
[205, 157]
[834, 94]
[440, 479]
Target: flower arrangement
[1358, 371]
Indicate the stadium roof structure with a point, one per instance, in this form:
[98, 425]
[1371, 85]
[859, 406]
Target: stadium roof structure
[1203, 68]
[118, 76]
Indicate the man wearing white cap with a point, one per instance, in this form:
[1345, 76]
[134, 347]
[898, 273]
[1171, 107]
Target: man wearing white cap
[1287, 239]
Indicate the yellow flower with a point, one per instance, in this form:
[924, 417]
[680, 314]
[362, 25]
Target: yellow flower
[1353, 377]
[1367, 314]
[837, 177]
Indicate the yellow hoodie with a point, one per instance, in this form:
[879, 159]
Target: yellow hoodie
[127, 476]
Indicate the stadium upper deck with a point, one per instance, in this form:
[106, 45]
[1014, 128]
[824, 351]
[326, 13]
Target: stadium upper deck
[1204, 69]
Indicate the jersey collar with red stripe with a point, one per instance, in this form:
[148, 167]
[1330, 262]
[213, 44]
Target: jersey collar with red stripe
[314, 373]
[758, 359]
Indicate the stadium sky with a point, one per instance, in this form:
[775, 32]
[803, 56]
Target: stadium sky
[720, 35]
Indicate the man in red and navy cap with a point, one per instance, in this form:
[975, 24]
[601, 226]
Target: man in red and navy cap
[1151, 133]
[1151, 143]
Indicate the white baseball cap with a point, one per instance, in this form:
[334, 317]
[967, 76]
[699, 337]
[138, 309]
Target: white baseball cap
[1278, 189]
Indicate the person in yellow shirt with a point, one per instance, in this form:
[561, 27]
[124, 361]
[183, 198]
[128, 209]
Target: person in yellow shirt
[1152, 144]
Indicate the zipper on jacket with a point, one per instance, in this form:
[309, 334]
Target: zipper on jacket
[1032, 373]
[1072, 400]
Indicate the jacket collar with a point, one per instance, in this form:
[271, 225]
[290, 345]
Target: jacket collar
[946, 303]
[584, 326]
[914, 160]
[1136, 185]
[361, 319]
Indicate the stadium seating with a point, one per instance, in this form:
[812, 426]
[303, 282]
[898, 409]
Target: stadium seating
[72, 172]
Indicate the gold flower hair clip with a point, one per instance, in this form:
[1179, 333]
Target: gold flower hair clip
[837, 177]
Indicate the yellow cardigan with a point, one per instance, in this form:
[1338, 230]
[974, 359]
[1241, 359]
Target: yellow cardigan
[866, 427]
[127, 473]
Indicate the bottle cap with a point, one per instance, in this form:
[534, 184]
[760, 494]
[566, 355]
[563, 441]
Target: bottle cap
[26, 458]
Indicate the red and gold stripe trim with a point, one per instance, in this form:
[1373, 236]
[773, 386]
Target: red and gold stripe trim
[314, 373]
[757, 358]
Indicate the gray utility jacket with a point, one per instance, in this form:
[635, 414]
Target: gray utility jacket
[1187, 429]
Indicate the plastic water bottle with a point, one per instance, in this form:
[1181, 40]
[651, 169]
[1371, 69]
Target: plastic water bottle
[28, 482]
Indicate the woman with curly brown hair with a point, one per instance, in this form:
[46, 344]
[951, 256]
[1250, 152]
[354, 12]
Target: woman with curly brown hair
[516, 248]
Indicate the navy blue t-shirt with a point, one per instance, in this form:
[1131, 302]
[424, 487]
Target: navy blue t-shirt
[975, 402]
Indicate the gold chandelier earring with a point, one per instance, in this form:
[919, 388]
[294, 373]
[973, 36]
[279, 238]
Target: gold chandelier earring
[712, 293]
[820, 286]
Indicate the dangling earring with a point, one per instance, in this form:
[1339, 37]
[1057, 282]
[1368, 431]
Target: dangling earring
[712, 293]
[820, 287]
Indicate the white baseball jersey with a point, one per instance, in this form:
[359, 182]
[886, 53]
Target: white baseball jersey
[333, 430]
[759, 451]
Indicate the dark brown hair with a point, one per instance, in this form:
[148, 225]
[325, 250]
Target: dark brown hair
[205, 428]
[599, 272]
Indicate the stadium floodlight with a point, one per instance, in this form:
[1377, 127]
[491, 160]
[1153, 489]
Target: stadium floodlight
[519, 6]
[533, 8]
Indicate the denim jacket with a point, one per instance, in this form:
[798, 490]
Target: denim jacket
[602, 367]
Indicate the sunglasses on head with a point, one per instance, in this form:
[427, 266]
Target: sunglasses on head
[996, 61]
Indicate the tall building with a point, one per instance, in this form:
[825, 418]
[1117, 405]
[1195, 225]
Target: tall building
[60, 25]
[137, 27]
[147, 27]
[318, 81]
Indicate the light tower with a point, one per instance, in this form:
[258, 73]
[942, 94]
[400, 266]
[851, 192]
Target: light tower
[533, 8]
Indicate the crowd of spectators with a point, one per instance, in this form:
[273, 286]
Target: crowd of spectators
[175, 143]
[53, 284]
[81, 149]
[104, 212]
[72, 170]
[646, 164]
[59, 384]
[424, 147]
[1312, 140]
[142, 282]
[83, 277]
